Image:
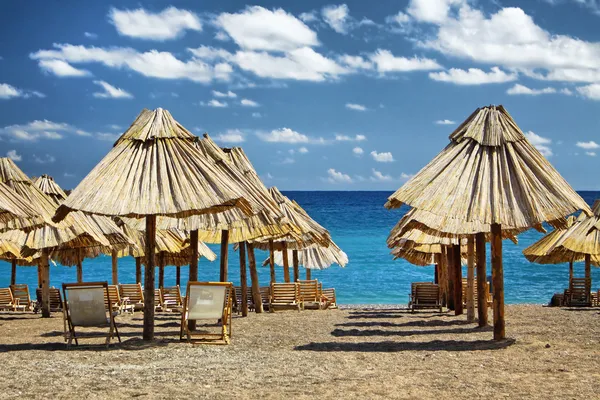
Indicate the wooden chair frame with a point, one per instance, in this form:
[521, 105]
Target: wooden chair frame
[426, 300]
[70, 333]
[275, 302]
[225, 321]
[170, 299]
[12, 304]
[136, 303]
[20, 293]
[56, 300]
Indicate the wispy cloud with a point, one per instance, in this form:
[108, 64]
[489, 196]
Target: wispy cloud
[111, 92]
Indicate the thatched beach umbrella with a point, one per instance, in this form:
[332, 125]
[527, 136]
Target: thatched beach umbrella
[48, 186]
[154, 169]
[312, 258]
[489, 179]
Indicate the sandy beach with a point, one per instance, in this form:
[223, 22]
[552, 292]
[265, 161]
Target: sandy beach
[367, 352]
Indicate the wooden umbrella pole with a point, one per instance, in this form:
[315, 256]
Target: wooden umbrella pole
[458, 300]
[570, 272]
[498, 282]
[451, 276]
[588, 274]
[482, 287]
[161, 270]
[471, 279]
[258, 307]
[443, 277]
[286, 263]
[115, 268]
[45, 275]
[224, 255]
[296, 265]
[436, 271]
[243, 279]
[138, 270]
[193, 274]
[308, 270]
[79, 266]
[178, 276]
[39, 273]
[272, 260]
[13, 272]
[148, 333]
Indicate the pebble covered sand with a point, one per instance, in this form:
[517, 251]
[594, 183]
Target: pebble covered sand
[368, 352]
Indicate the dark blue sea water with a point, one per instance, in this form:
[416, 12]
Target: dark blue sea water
[359, 224]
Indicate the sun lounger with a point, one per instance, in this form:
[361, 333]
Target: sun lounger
[85, 308]
[427, 296]
[21, 294]
[475, 294]
[579, 293]
[265, 296]
[8, 302]
[310, 294]
[56, 303]
[329, 296]
[170, 299]
[118, 305]
[238, 299]
[133, 294]
[285, 295]
[413, 291]
[207, 301]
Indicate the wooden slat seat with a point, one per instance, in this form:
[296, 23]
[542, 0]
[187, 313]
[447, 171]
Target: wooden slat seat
[238, 299]
[285, 295]
[265, 296]
[310, 295]
[21, 293]
[427, 296]
[8, 302]
[475, 294]
[133, 294]
[413, 291]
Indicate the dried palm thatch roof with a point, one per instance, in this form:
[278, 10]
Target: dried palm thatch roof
[16, 212]
[489, 173]
[9, 250]
[182, 258]
[49, 187]
[583, 237]
[546, 251]
[314, 257]
[155, 168]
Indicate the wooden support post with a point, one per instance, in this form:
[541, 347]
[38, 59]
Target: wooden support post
[436, 271]
[498, 282]
[138, 270]
[243, 279]
[570, 272]
[115, 268]
[161, 270]
[193, 275]
[451, 276]
[39, 271]
[286, 263]
[224, 255]
[178, 276]
[45, 275]
[258, 307]
[272, 260]
[471, 279]
[13, 272]
[148, 333]
[443, 276]
[482, 287]
[308, 278]
[588, 275]
[458, 300]
[79, 267]
[296, 265]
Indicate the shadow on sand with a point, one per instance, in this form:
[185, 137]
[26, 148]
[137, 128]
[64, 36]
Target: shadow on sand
[130, 344]
[423, 323]
[380, 332]
[391, 347]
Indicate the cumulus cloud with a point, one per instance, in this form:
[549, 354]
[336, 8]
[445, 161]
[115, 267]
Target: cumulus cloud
[8, 91]
[302, 150]
[357, 107]
[309, 16]
[111, 92]
[382, 157]
[337, 17]
[357, 151]
[37, 129]
[473, 76]
[540, 143]
[229, 94]
[13, 155]
[90, 35]
[380, 177]
[249, 103]
[334, 176]
[231, 136]
[445, 122]
[591, 145]
[386, 62]
[346, 138]
[62, 69]
[287, 135]
[590, 91]
[590, 153]
[168, 24]
[214, 103]
[519, 89]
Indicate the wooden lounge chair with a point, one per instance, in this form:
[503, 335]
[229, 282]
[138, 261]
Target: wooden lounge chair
[118, 305]
[427, 296]
[207, 301]
[579, 293]
[310, 294]
[475, 294]
[265, 296]
[133, 294]
[8, 302]
[56, 302]
[238, 299]
[285, 295]
[85, 308]
[21, 293]
[170, 299]
[330, 299]
[413, 291]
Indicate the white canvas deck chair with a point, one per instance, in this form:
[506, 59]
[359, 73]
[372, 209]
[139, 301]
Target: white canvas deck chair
[207, 301]
[84, 307]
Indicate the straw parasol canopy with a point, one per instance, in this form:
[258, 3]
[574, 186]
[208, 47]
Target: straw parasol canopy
[489, 179]
[155, 169]
[16, 212]
[47, 185]
[583, 237]
[315, 257]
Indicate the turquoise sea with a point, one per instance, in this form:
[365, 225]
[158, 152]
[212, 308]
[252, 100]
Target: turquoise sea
[359, 224]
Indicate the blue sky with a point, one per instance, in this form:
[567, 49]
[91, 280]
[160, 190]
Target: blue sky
[343, 96]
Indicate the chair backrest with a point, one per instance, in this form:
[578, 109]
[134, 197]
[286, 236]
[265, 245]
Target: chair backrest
[465, 284]
[6, 297]
[330, 294]
[115, 299]
[133, 291]
[580, 284]
[207, 300]
[265, 294]
[427, 294]
[309, 290]
[171, 294]
[56, 303]
[413, 287]
[85, 303]
[287, 293]
[21, 292]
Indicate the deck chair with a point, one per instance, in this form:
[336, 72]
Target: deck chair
[133, 294]
[170, 299]
[427, 296]
[265, 296]
[84, 307]
[329, 296]
[56, 302]
[310, 294]
[21, 293]
[118, 305]
[285, 295]
[579, 293]
[413, 291]
[8, 302]
[239, 302]
[207, 301]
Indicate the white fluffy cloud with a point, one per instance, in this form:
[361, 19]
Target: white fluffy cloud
[62, 68]
[13, 155]
[302, 150]
[591, 145]
[473, 76]
[334, 176]
[286, 135]
[337, 17]
[378, 176]
[382, 157]
[249, 103]
[386, 62]
[229, 94]
[8, 91]
[111, 92]
[540, 143]
[356, 107]
[346, 138]
[257, 28]
[309, 16]
[524, 90]
[231, 136]
[358, 151]
[432, 11]
[165, 25]
[590, 153]
[590, 91]
[36, 130]
[214, 103]
[445, 122]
